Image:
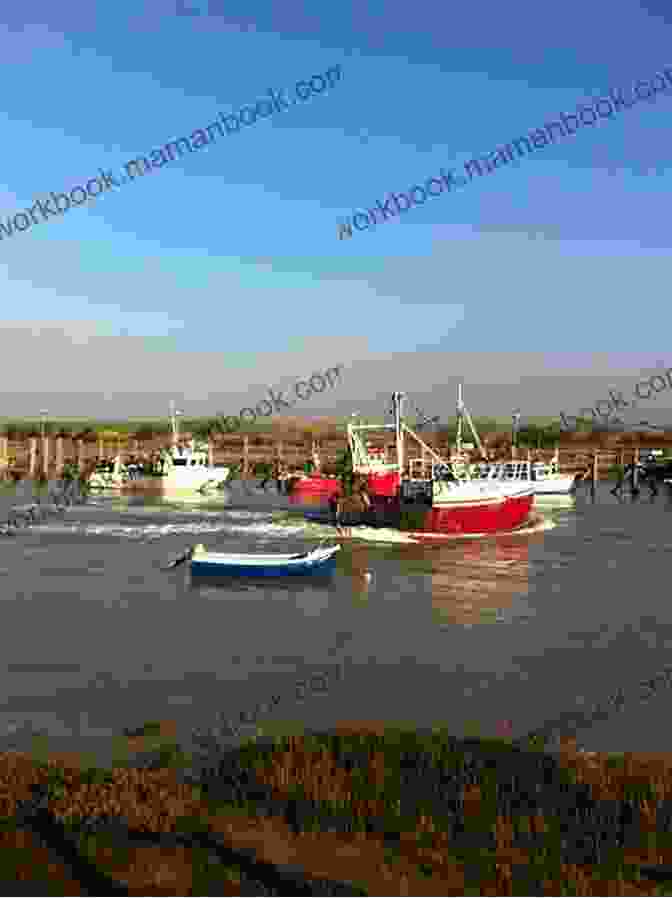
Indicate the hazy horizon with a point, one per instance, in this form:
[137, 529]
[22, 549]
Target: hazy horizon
[523, 382]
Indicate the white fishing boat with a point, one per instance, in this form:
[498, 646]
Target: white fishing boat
[184, 471]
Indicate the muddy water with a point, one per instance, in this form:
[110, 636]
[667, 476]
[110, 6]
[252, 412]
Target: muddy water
[524, 628]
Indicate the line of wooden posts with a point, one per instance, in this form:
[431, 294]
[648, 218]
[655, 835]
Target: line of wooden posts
[46, 456]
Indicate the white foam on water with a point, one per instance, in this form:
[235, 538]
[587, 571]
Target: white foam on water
[156, 531]
[377, 534]
[271, 525]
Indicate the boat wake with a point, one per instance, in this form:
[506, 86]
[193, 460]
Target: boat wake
[257, 524]
[263, 525]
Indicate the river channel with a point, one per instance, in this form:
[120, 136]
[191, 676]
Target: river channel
[524, 628]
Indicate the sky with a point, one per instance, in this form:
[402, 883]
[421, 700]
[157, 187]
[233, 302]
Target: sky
[220, 275]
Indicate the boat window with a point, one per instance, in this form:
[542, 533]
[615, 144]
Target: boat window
[180, 461]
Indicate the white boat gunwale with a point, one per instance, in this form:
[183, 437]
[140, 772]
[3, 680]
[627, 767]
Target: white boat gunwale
[200, 556]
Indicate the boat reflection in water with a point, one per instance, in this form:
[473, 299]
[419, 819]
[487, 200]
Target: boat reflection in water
[356, 562]
[475, 582]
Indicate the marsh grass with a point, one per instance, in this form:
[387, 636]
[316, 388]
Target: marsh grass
[422, 805]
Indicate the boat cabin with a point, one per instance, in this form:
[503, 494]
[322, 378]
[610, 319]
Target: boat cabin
[515, 470]
[182, 457]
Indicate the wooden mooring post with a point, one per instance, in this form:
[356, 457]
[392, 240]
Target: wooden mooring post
[59, 456]
[45, 455]
[596, 469]
[4, 457]
[32, 466]
[246, 456]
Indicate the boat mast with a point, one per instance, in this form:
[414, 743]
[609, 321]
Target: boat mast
[460, 410]
[173, 422]
[397, 402]
[463, 410]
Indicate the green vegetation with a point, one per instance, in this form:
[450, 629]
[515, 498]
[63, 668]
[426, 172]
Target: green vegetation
[538, 431]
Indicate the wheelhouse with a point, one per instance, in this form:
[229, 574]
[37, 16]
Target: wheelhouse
[514, 470]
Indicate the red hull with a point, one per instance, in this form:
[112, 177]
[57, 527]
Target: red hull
[492, 518]
[500, 516]
[384, 485]
[317, 486]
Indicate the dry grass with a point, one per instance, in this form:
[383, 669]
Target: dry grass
[423, 861]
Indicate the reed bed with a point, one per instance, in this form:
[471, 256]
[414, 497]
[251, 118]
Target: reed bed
[362, 809]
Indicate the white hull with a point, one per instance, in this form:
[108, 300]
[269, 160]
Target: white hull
[179, 481]
[556, 485]
[474, 492]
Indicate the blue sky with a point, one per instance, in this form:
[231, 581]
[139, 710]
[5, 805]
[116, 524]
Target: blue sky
[221, 274]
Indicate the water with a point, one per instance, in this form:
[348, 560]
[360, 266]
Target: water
[527, 627]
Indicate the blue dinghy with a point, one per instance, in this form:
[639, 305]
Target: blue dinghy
[318, 561]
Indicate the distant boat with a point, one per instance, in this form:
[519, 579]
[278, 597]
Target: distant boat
[185, 471]
[314, 485]
[317, 561]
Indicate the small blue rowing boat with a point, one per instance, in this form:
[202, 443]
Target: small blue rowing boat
[317, 561]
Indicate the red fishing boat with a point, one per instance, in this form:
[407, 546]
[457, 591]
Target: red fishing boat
[437, 495]
[316, 484]
[427, 496]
